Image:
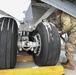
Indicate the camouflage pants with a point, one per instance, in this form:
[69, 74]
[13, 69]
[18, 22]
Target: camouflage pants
[70, 45]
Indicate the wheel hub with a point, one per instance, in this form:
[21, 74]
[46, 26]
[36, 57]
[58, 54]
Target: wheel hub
[37, 50]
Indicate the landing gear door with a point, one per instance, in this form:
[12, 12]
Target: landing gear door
[64, 5]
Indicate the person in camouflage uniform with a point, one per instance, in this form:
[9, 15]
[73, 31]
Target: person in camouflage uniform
[68, 25]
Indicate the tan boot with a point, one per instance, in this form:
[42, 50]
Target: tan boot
[68, 65]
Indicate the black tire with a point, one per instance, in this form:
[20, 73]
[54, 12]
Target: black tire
[56, 47]
[8, 42]
[50, 45]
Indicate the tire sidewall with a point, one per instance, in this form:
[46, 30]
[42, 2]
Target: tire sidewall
[42, 58]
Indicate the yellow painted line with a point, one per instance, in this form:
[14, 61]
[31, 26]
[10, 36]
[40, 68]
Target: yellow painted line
[49, 70]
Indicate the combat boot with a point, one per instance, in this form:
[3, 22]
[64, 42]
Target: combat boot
[68, 65]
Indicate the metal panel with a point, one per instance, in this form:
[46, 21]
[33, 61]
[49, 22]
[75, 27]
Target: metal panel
[45, 15]
[63, 5]
[38, 12]
[28, 14]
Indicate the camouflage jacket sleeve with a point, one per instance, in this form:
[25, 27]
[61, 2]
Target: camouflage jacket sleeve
[66, 22]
